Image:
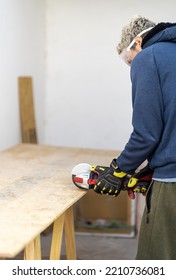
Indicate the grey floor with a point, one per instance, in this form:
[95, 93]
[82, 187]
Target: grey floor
[91, 247]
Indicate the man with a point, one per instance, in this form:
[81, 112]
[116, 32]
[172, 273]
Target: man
[150, 49]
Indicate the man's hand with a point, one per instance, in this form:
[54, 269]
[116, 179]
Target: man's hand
[140, 182]
[110, 180]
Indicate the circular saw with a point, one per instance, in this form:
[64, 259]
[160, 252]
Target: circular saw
[82, 176]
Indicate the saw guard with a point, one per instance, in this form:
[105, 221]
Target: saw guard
[80, 175]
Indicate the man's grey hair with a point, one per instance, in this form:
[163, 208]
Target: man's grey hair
[130, 31]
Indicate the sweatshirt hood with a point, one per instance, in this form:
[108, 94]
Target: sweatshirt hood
[162, 32]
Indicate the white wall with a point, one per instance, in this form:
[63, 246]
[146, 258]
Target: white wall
[84, 100]
[88, 98]
[22, 45]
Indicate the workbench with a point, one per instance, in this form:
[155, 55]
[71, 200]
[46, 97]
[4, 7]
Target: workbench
[36, 191]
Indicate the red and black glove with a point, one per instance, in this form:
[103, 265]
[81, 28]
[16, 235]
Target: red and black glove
[140, 181]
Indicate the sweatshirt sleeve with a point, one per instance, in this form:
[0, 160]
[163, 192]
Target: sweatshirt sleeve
[147, 117]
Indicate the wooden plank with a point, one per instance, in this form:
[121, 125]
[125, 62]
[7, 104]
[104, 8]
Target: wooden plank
[70, 235]
[37, 245]
[56, 242]
[27, 116]
[33, 250]
[29, 251]
[27, 113]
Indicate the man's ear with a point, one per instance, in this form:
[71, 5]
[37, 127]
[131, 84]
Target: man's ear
[138, 41]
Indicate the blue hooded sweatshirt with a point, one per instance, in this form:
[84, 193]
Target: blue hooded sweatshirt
[153, 77]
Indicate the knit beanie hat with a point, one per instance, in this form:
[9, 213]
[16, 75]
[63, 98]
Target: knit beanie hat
[130, 31]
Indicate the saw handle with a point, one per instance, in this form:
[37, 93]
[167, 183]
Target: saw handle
[92, 179]
[95, 171]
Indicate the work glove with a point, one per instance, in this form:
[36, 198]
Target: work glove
[140, 181]
[110, 180]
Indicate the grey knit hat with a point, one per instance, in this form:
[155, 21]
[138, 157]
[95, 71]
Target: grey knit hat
[130, 31]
